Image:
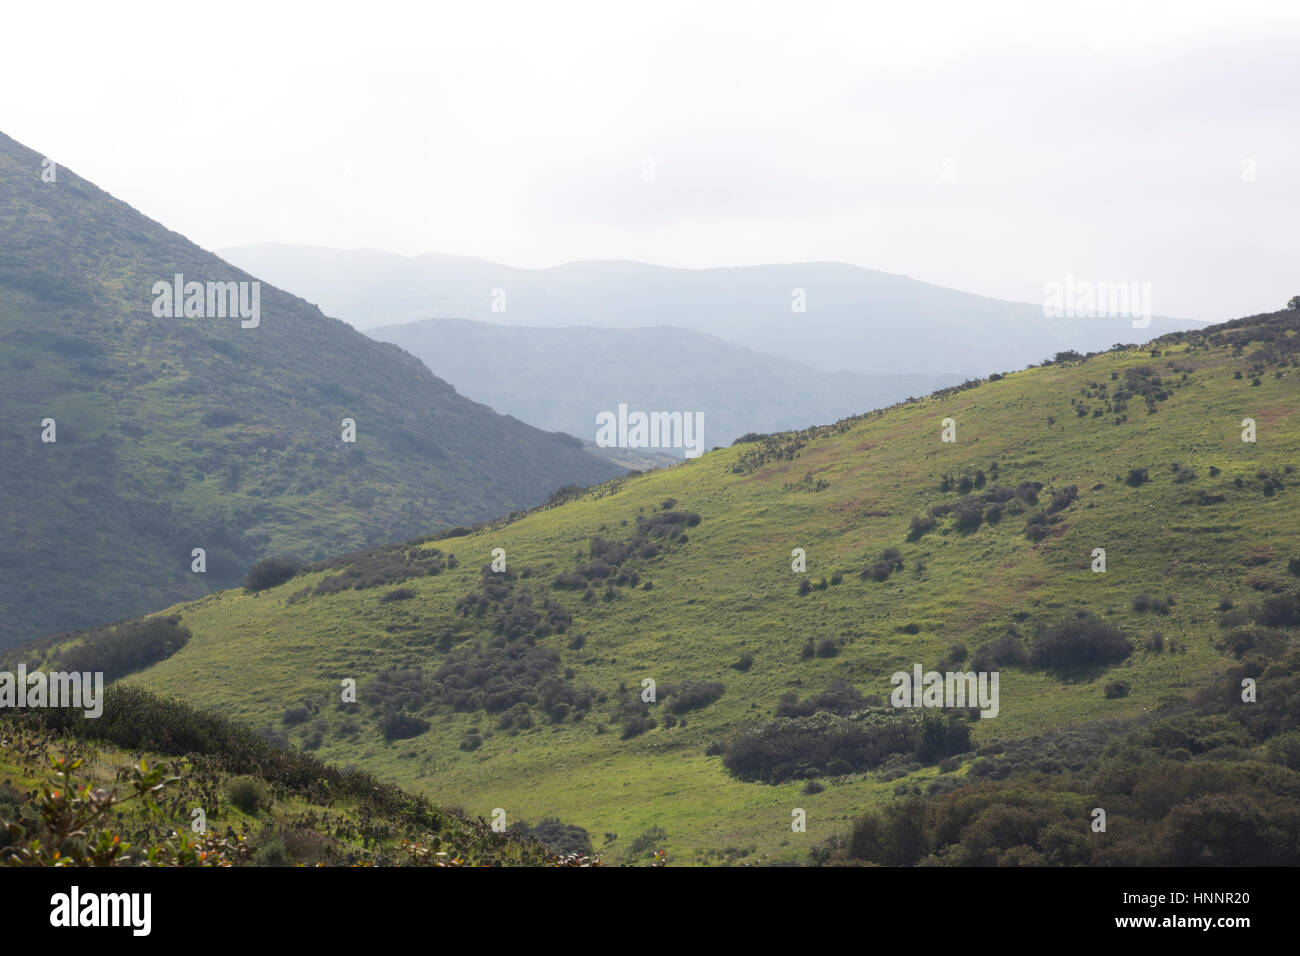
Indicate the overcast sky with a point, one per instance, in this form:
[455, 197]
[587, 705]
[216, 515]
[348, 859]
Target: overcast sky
[991, 147]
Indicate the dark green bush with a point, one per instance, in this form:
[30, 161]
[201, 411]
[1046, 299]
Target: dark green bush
[270, 572]
[1079, 641]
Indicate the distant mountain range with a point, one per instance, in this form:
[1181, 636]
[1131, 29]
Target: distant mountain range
[854, 319]
[226, 434]
[560, 379]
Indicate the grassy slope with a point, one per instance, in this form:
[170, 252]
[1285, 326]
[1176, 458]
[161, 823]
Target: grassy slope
[183, 433]
[730, 589]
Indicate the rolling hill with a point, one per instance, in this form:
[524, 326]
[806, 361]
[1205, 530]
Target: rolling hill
[854, 319]
[226, 434]
[1122, 686]
[560, 379]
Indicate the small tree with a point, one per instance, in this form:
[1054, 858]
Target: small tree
[1293, 302]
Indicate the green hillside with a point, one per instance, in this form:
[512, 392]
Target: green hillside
[181, 433]
[518, 690]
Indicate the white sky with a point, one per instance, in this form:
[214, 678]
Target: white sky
[1101, 139]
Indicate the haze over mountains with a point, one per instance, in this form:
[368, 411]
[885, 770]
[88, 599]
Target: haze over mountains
[560, 379]
[856, 319]
[173, 434]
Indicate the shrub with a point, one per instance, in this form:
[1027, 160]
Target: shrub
[1005, 651]
[1244, 640]
[121, 649]
[635, 726]
[270, 572]
[692, 695]
[1116, 689]
[397, 725]
[1138, 476]
[1144, 602]
[247, 794]
[920, 526]
[1285, 749]
[400, 594]
[745, 662]
[1082, 640]
[1062, 499]
[1280, 611]
[272, 853]
[802, 748]
[651, 839]
[293, 716]
[970, 513]
[558, 837]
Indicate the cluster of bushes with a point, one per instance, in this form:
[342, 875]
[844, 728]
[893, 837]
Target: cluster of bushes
[964, 484]
[516, 616]
[613, 563]
[807, 483]
[823, 648]
[840, 697]
[509, 681]
[1214, 786]
[890, 560]
[122, 649]
[826, 744]
[784, 446]
[506, 680]
[1141, 382]
[379, 566]
[972, 509]
[692, 695]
